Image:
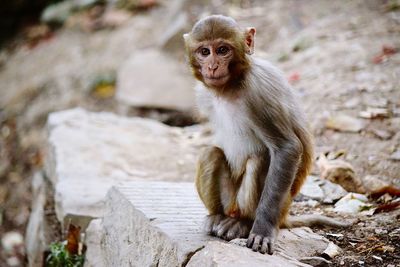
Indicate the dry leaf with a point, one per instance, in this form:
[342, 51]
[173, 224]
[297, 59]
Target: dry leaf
[340, 172]
[374, 113]
[104, 91]
[391, 190]
[294, 77]
[345, 123]
[387, 207]
[389, 50]
[73, 237]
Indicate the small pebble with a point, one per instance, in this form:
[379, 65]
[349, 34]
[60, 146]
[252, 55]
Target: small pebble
[13, 261]
[379, 231]
[377, 258]
[12, 240]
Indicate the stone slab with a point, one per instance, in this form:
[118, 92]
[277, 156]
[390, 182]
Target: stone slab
[90, 152]
[150, 78]
[155, 223]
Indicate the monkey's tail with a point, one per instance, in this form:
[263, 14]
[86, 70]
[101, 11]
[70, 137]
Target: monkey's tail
[314, 220]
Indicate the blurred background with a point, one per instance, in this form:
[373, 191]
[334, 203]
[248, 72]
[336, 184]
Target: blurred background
[127, 57]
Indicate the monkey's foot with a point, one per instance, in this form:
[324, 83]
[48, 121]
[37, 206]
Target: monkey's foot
[226, 227]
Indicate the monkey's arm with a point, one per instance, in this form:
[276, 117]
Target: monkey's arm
[271, 110]
[284, 162]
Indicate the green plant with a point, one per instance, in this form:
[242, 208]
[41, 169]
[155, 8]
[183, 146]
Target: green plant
[60, 257]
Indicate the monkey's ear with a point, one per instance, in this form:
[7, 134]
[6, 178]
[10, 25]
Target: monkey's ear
[250, 39]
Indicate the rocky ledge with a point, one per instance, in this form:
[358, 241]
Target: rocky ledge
[126, 183]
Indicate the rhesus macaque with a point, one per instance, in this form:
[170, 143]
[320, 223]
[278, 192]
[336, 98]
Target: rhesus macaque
[263, 149]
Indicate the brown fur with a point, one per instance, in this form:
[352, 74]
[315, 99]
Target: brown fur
[265, 149]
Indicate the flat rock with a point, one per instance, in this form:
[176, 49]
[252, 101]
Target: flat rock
[150, 215]
[322, 190]
[352, 203]
[151, 78]
[90, 152]
[311, 189]
[155, 223]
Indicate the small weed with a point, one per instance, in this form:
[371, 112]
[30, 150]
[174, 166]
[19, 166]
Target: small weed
[60, 257]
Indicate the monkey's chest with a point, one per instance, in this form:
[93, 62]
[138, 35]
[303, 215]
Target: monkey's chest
[234, 133]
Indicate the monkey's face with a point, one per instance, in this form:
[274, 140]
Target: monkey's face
[214, 58]
[217, 50]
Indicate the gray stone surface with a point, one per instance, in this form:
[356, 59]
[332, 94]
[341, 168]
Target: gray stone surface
[160, 224]
[43, 227]
[35, 240]
[229, 255]
[322, 190]
[90, 152]
[150, 216]
[151, 78]
[93, 257]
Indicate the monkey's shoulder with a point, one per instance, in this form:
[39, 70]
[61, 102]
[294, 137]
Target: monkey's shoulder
[265, 72]
[267, 82]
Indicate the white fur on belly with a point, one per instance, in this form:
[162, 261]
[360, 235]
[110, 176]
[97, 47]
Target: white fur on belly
[233, 132]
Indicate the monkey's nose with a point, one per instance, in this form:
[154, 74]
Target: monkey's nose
[213, 67]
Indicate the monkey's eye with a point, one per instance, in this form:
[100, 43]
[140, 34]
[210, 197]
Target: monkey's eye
[222, 50]
[205, 51]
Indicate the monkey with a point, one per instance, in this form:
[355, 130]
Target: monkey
[263, 149]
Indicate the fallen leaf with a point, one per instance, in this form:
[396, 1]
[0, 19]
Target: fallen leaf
[387, 207]
[104, 91]
[340, 172]
[294, 77]
[374, 113]
[391, 190]
[389, 50]
[73, 237]
[345, 123]
[386, 198]
[379, 59]
[103, 87]
[386, 249]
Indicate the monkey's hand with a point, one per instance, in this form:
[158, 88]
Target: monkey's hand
[262, 237]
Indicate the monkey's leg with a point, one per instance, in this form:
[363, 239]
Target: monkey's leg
[246, 201]
[250, 189]
[283, 218]
[214, 186]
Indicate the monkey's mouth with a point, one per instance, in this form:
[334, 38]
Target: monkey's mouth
[216, 78]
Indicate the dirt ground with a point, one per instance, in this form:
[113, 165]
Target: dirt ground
[342, 57]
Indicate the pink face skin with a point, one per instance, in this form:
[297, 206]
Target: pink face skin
[214, 58]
